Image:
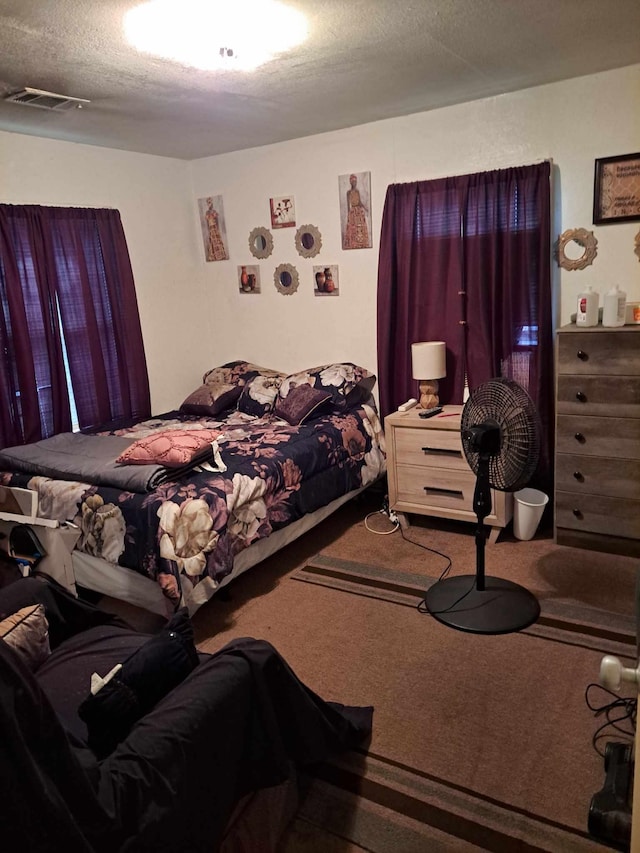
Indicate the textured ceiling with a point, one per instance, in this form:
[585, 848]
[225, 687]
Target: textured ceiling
[364, 60]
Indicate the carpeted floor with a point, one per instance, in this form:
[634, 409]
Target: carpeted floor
[479, 742]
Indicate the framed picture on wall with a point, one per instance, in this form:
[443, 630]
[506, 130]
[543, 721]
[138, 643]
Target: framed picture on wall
[283, 212]
[326, 281]
[355, 210]
[249, 278]
[616, 191]
[214, 231]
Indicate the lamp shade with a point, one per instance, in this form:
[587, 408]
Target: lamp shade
[428, 359]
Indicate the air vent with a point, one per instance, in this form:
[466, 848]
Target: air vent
[45, 100]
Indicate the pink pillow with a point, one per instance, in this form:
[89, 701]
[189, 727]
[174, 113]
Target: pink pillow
[171, 448]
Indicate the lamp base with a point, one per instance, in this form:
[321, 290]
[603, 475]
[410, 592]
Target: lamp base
[502, 607]
[428, 393]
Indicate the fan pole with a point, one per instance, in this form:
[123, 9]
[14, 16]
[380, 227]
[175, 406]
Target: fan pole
[482, 508]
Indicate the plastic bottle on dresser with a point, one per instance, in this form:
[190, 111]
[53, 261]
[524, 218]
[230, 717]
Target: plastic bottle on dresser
[588, 302]
[615, 304]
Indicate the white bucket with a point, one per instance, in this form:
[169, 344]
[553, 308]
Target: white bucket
[528, 507]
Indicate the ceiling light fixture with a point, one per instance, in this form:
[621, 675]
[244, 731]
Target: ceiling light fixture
[215, 34]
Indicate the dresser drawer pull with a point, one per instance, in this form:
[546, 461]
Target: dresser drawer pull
[582, 355]
[442, 451]
[580, 437]
[579, 476]
[577, 513]
[581, 397]
[434, 490]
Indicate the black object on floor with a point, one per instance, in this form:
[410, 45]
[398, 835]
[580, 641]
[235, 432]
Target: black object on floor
[610, 809]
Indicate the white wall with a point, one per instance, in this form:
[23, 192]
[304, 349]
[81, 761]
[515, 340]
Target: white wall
[573, 123]
[152, 195]
[193, 316]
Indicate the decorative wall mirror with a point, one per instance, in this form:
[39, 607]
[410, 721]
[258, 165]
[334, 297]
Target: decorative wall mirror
[308, 241]
[286, 278]
[260, 243]
[576, 249]
[637, 242]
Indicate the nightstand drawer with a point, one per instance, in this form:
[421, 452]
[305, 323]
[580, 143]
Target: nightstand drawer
[432, 448]
[435, 487]
[609, 437]
[598, 514]
[618, 478]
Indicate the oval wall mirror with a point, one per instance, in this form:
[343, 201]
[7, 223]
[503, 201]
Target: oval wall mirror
[576, 249]
[260, 243]
[308, 241]
[286, 278]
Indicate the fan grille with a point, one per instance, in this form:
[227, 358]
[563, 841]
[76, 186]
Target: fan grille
[505, 404]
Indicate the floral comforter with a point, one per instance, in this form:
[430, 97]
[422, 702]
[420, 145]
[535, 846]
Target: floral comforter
[186, 533]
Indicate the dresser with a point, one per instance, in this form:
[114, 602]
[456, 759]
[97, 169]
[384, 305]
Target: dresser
[428, 473]
[598, 438]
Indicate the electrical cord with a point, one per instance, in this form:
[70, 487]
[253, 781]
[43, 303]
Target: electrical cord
[396, 523]
[628, 707]
[421, 606]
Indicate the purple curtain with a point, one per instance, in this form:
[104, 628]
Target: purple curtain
[467, 260]
[67, 290]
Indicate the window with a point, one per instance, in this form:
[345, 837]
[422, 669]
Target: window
[70, 336]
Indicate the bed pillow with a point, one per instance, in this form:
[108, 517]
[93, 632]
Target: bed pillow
[146, 677]
[172, 448]
[258, 396]
[348, 384]
[301, 403]
[27, 632]
[211, 399]
[235, 373]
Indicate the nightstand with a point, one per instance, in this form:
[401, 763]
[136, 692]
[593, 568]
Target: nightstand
[428, 473]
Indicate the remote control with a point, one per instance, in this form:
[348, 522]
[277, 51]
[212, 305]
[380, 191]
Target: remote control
[408, 405]
[429, 413]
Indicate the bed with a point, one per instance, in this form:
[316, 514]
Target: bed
[252, 459]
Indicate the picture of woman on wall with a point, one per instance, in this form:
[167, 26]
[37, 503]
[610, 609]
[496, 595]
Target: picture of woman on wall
[213, 228]
[355, 210]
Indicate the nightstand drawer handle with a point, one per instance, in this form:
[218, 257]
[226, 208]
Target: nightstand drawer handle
[582, 355]
[580, 437]
[444, 451]
[581, 397]
[577, 513]
[579, 476]
[434, 490]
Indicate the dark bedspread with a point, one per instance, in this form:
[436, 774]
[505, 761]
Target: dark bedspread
[186, 533]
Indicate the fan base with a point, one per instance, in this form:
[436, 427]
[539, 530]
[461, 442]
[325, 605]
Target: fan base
[500, 608]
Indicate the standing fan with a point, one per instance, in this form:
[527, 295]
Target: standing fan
[500, 431]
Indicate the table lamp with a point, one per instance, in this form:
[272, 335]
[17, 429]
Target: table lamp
[428, 359]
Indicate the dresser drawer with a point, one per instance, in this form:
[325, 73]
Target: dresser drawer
[609, 437]
[599, 395]
[605, 353]
[619, 478]
[431, 448]
[598, 514]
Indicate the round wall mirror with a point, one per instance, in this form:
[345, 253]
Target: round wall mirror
[308, 241]
[576, 249]
[260, 243]
[286, 278]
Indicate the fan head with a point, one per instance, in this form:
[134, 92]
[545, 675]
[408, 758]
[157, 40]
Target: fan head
[500, 421]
